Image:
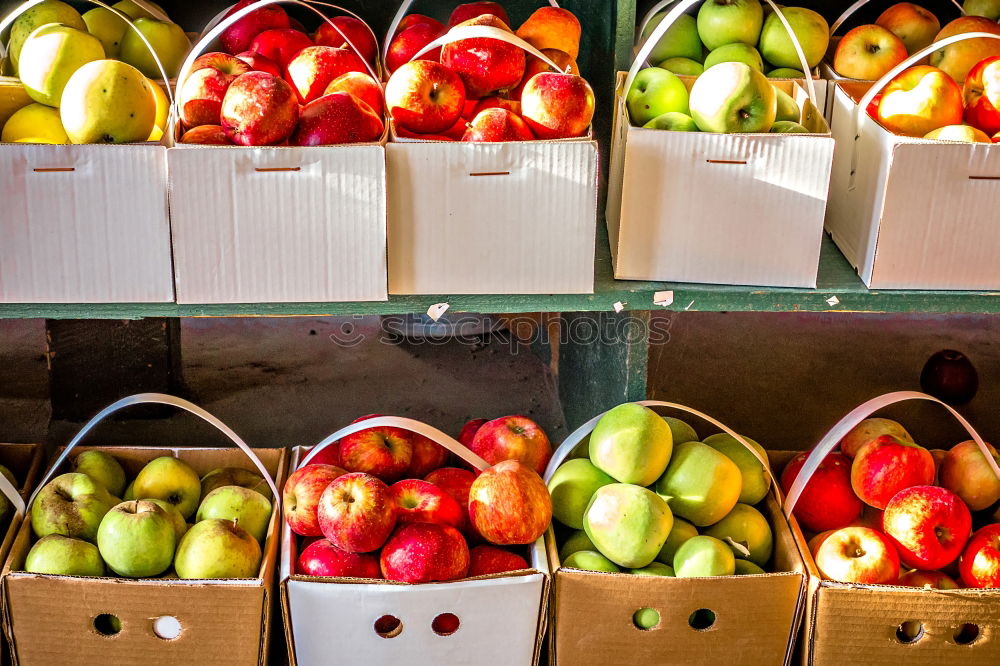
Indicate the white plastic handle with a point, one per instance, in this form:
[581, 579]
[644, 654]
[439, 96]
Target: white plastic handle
[832, 438]
[159, 399]
[412, 425]
[472, 31]
[11, 493]
[861, 3]
[651, 14]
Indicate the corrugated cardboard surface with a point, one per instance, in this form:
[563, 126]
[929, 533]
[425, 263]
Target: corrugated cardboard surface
[492, 218]
[50, 619]
[25, 463]
[84, 224]
[718, 208]
[279, 224]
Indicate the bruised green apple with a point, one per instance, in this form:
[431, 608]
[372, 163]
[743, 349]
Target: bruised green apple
[217, 548]
[169, 41]
[674, 122]
[811, 30]
[728, 21]
[176, 519]
[681, 430]
[49, 11]
[628, 524]
[681, 531]
[788, 127]
[571, 487]
[737, 52]
[137, 539]
[575, 542]
[704, 556]
[700, 484]
[103, 469]
[787, 108]
[71, 504]
[632, 444]
[64, 556]
[681, 39]
[248, 508]
[755, 479]
[654, 569]
[172, 480]
[748, 528]
[747, 568]
[682, 66]
[50, 56]
[654, 92]
[733, 97]
[590, 560]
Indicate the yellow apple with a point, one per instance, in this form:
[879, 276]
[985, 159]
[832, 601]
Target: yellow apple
[108, 101]
[107, 27]
[50, 11]
[35, 123]
[51, 55]
[162, 111]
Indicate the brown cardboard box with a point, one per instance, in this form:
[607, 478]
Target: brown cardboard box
[25, 462]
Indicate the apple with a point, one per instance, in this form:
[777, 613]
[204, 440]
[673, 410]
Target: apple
[736, 52]
[176, 519]
[933, 580]
[50, 56]
[680, 532]
[350, 33]
[134, 11]
[672, 121]
[966, 472]
[42, 13]
[485, 560]
[425, 552]
[424, 97]
[733, 97]
[681, 40]
[367, 90]
[979, 565]
[137, 539]
[787, 108]
[34, 123]
[590, 560]
[575, 542]
[566, 65]
[858, 555]
[422, 502]
[172, 480]
[703, 556]
[961, 133]
[200, 98]
[248, 508]
[957, 59]
[259, 63]
[455, 481]
[746, 568]
[384, 452]
[301, 495]
[628, 524]
[484, 64]
[280, 45]
[411, 20]
[340, 118]
[868, 430]
[209, 135]
[60, 555]
[496, 124]
[428, 456]
[407, 43]
[357, 512]
[682, 66]
[913, 24]
[513, 438]
[259, 110]
[322, 558]
[981, 92]
[729, 21]
[469, 430]
[238, 37]
[749, 528]
[102, 468]
[509, 504]
[655, 92]
[234, 476]
[217, 549]
[169, 41]
[557, 106]
[632, 444]
[785, 73]
[950, 377]
[755, 478]
[571, 487]
[988, 8]
[472, 10]
[107, 101]
[809, 27]
[928, 525]
[316, 67]
[817, 541]
[700, 484]
[72, 505]
[653, 569]
[887, 465]
[919, 100]
[868, 52]
[828, 501]
[552, 28]
[495, 102]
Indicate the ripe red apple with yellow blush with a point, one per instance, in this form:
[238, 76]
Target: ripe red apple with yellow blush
[919, 100]
[384, 452]
[966, 472]
[239, 35]
[420, 501]
[982, 95]
[858, 555]
[496, 124]
[345, 32]
[362, 86]
[425, 97]
[357, 512]
[336, 119]
[301, 493]
[259, 63]
[828, 501]
[928, 525]
[259, 110]
[407, 43]
[867, 52]
[913, 24]
[979, 565]
[509, 504]
[411, 20]
[200, 97]
[428, 455]
[868, 430]
[557, 106]
[485, 65]
[957, 59]
[567, 65]
[513, 438]
[552, 28]
[316, 67]
[425, 552]
[887, 465]
[280, 45]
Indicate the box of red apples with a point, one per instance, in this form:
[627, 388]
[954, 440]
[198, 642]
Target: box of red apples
[492, 165]
[277, 176]
[902, 543]
[389, 551]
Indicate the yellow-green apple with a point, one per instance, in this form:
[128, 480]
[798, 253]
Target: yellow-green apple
[700, 484]
[107, 101]
[34, 123]
[340, 118]
[887, 465]
[496, 124]
[988, 8]
[367, 90]
[749, 529]
[654, 92]
[108, 27]
[576, 541]
[349, 33]
[385, 452]
[129, 491]
[966, 472]
[828, 501]
[920, 99]
[509, 504]
[200, 97]
[424, 97]
[484, 64]
[72, 505]
[259, 110]
[162, 111]
[168, 40]
[314, 68]
[810, 28]
[785, 73]
[733, 97]
[557, 106]
[981, 92]
[234, 476]
[735, 52]
[868, 52]
[172, 480]
[704, 556]
[137, 539]
[357, 512]
[787, 108]
[206, 135]
[729, 21]
[680, 532]
[49, 11]
[932, 580]
[632, 444]
[673, 121]
[407, 43]
[471, 10]
[755, 478]
[682, 66]
[485, 559]
[420, 501]
[248, 508]
[590, 560]
[962, 133]
[979, 565]
[868, 430]
[176, 519]
[134, 11]
[681, 40]
[280, 45]
[102, 468]
[513, 438]
[746, 568]
[913, 24]
[928, 525]
[552, 28]
[260, 63]
[653, 569]
[237, 37]
[567, 65]
[425, 552]
[301, 494]
[217, 549]
[64, 556]
[571, 486]
[322, 558]
[858, 555]
[51, 55]
[957, 59]
[628, 524]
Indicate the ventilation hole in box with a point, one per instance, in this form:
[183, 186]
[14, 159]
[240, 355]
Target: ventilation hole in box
[166, 627]
[646, 619]
[910, 632]
[702, 619]
[445, 624]
[107, 624]
[388, 626]
[967, 634]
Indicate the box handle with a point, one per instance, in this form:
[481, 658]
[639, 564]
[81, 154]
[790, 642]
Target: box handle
[54, 169]
[861, 3]
[276, 169]
[727, 162]
[832, 438]
[489, 173]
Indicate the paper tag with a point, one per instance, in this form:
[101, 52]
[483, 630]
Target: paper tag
[739, 546]
[833, 300]
[663, 298]
[437, 310]
[618, 306]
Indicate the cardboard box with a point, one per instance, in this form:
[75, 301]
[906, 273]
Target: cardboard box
[25, 462]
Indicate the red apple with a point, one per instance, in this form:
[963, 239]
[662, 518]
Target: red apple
[827, 502]
[486, 65]
[567, 65]
[966, 472]
[411, 20]
[322, 558]
[328, 456]
[357, 513]
[469, 430]
[349, 31]
[867, 52]
[238, 36]
[928, 525]
[200, 98]
[384, 452]
[509, 504]
[428, 455]
[454, 481]
[424, 97]
[259, 110]
[335, 119]
[207, 135]
[957, 59]
[407, 134]
[316, 67]
[497, 124]
[280, 46]
[552, 28]
[301, 494]
[492, 102]
[422, 502]
[259, 63]
[919, 100]
[858, 555]
[407, 43]
[425, 552]
[868, 430]
[472, 10]
[982, 95]
[980, 562]
[557, 106]
[362, 86]
[934, 580]
[513, 438]
[887, 465]
[911, 23]
[486, 559]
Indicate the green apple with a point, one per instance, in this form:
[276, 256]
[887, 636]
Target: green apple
[988, 8]
[137, 539]
[736, 52]
[682, 66]
[700, 484]
[811, 29]
[704, 556]
[176, 519]
[51, 55]
[64, 556]
[581, 450]
[733, 97]
[681, 531]
[172, 480]
[234, 476]
[134, 11]
[217, 548]
[107, 27]
[50, 11]
[681, 430]
[169, 41]
[129, 493]
[247, 508]
[646, 618]
[628, 524]
[653, 569]
[72, 505]
[788, 127]
[756, 481]
[747, 568]
[785, 73]
[576, 541]
[728, 21]
[681, 40]
[6, 508]
[654, 92]
[747, 527]
[674, 122]
[103, 468]
[787, 108]
[590, 560]
[108, 101]
[571, 487]
[632, 444]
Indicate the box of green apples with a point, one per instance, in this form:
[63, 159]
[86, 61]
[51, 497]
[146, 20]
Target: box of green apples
[678, 545]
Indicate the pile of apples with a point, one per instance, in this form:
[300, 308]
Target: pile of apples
[88, 74]
[84, 529]
[884, 510]
[276, 85]
[484, 89]
[381, 503]
[651, 499]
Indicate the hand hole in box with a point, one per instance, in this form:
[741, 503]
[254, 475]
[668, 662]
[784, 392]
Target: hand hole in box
[967, 634]
[388, 626]
[910, 632]
[166, 627]
[702, 619]
[107, 624]
[646, 619]
[445, 624]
